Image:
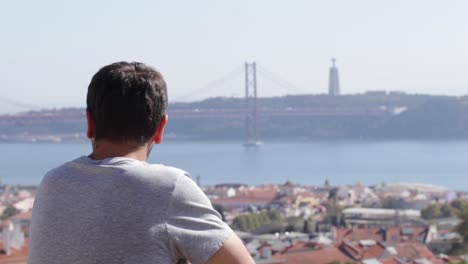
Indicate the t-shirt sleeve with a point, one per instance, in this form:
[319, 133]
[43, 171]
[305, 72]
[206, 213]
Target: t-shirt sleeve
[195, 229]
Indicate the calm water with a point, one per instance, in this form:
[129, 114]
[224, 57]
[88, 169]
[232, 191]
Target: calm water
[443, 163]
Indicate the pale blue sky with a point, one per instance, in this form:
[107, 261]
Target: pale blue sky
[49, 49]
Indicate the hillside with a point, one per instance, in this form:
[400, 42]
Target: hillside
[374, 115]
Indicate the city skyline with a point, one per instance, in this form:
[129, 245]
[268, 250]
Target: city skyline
[52, 49]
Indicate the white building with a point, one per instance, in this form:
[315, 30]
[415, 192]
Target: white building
[378, 216]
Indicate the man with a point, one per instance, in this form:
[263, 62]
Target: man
[112, 206]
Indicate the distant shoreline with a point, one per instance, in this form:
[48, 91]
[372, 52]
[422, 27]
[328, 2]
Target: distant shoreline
[371, 116]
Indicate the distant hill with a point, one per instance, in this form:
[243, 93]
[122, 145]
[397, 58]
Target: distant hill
[374, 115]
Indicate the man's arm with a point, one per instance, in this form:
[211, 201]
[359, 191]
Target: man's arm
[195, 229]
[233, 251]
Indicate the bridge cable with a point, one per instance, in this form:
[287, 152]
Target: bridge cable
[233, 74]
[18, 104]
[269, 75]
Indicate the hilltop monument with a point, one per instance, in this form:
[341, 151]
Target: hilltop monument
[333, 82]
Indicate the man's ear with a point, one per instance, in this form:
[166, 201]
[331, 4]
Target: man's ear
[158, 135]
[90, 123]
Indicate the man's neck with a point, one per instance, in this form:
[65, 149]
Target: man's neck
[106, 149]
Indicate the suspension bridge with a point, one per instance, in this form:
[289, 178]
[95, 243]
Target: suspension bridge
[251, 110]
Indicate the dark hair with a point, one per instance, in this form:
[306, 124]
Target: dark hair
[127, 101]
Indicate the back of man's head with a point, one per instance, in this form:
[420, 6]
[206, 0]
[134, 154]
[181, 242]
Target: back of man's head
[126, 102]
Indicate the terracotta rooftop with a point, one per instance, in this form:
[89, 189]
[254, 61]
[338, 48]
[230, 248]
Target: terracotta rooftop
[22, 216]
[375, 251]
[16, 256]
[299, 247]
[406, 234]
[323, 256]
[391, 261]
[390, 235]
[414, 251]
[357, 234]
[261, 195]
[356, 252]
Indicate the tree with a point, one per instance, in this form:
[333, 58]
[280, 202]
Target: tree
[254, 221]
[446, 210]
[431, 211]
[305, 227]
[332, 194]
[459, 205]
[9, 212]
[334, 214]
[392, 203]
[462, 229]
[294, 224]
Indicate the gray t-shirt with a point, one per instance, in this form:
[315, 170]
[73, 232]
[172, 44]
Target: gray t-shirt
[121, 210]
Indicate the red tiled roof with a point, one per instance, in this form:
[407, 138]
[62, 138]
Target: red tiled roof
[323, 256]
[16, 256]
[300, 246]
[419, 231]
[410, 251]
[390, 261]
[414, 251]
[302, 253]
[255, 196]
[22, 216]
[374, 251]
[391, 235]
[356, 234]
[14, 260]
[351, 250]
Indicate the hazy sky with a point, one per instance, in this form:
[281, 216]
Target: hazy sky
[50, 49]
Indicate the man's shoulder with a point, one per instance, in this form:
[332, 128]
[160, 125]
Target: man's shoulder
[169, 170]
[124, 168]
